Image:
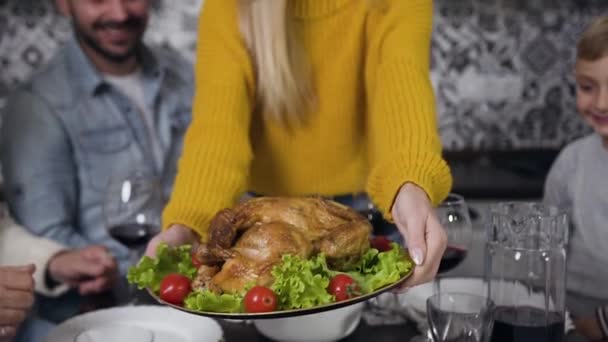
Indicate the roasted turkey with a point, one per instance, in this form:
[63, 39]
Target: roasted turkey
[245, 242]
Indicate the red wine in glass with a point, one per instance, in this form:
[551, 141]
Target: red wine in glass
[452, 257]
[527, 324]
[133, 235]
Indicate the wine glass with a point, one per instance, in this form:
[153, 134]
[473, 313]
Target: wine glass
[453, 214]
[132, 210]
[460, 317]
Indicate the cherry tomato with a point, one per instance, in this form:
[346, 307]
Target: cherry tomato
[381, 243]
[260, 299]
[174, 288]
[197, 263]
[343, 287]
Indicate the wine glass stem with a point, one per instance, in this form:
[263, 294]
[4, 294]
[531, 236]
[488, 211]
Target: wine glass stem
[437, 284]
[132, 288]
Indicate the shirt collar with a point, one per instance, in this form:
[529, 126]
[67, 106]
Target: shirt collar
[87, 78]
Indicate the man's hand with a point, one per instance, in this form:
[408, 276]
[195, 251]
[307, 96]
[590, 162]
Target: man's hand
[425, 237]
[16, 297]
[91, 269]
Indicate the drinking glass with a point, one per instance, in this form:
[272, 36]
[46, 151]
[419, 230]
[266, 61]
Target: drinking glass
[460, 317]
[453, 214]
[132, 211]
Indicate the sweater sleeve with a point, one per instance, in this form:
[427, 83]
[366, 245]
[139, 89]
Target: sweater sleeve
[404, 143]
[214, 168]
[19, 247]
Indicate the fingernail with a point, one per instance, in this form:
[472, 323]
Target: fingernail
[417, 256]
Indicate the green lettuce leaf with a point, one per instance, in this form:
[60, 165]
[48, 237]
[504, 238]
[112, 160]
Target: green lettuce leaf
[205, 300]
[301, 283]
[298, 283]
[149, 272]
[378, 269]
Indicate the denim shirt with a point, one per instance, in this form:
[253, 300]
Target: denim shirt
[67, 131]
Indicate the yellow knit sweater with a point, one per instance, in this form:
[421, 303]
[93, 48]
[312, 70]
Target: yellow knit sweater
[373, 127]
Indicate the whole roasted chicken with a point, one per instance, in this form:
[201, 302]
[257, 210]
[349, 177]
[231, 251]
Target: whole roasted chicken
[245, 242]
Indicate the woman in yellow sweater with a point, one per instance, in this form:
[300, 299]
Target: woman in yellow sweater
[326, 97]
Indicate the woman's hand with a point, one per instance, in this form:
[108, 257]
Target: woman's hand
[16, 297]
[175, 235]
[425, 237]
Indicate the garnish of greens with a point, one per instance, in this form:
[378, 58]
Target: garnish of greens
[299, 283]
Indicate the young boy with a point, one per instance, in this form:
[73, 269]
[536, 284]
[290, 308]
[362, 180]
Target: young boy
[578, 181]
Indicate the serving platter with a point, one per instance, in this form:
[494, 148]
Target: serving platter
[287, 313]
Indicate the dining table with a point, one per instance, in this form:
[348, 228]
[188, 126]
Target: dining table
[399, 329]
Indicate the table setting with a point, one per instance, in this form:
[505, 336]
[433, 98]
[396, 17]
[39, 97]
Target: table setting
[514, 293]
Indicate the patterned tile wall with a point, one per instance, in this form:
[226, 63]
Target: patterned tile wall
[501, 68]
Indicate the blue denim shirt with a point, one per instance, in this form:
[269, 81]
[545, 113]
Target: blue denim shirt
[67, 131]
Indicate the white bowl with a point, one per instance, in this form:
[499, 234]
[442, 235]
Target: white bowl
[116, 333]
[326, 326]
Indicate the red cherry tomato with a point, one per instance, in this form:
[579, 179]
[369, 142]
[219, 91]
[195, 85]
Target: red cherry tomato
[197, 263]
[343, 287]
[174, 288]
[381, 243]
[260, 299]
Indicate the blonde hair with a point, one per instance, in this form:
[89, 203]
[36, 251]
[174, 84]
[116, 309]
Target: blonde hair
[283, 75]
[593, 44]
[283, 79]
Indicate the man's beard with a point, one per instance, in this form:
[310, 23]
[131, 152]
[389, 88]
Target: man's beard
[131, 22]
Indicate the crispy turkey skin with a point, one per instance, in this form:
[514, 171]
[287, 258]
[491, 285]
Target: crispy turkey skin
[245, 242]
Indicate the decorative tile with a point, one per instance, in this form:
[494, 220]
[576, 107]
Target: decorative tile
[540, 55]
[501, 68]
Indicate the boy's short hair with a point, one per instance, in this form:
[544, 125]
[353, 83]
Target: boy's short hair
[593, 44]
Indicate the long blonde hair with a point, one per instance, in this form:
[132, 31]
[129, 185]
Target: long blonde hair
[284, 79]
[284, 87]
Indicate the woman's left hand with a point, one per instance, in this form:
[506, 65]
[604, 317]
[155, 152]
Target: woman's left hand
[425, 237]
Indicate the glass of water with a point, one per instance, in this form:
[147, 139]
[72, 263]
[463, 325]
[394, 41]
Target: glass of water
[460, 317]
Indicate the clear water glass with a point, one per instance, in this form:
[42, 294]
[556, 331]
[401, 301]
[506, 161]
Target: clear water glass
[460, 317]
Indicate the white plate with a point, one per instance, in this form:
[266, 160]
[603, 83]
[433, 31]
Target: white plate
[166, 324]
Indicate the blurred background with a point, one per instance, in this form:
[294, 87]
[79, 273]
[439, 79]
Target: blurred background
[501, 71]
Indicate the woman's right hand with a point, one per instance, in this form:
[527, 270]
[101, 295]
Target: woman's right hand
[175, 235]
[16, 297]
